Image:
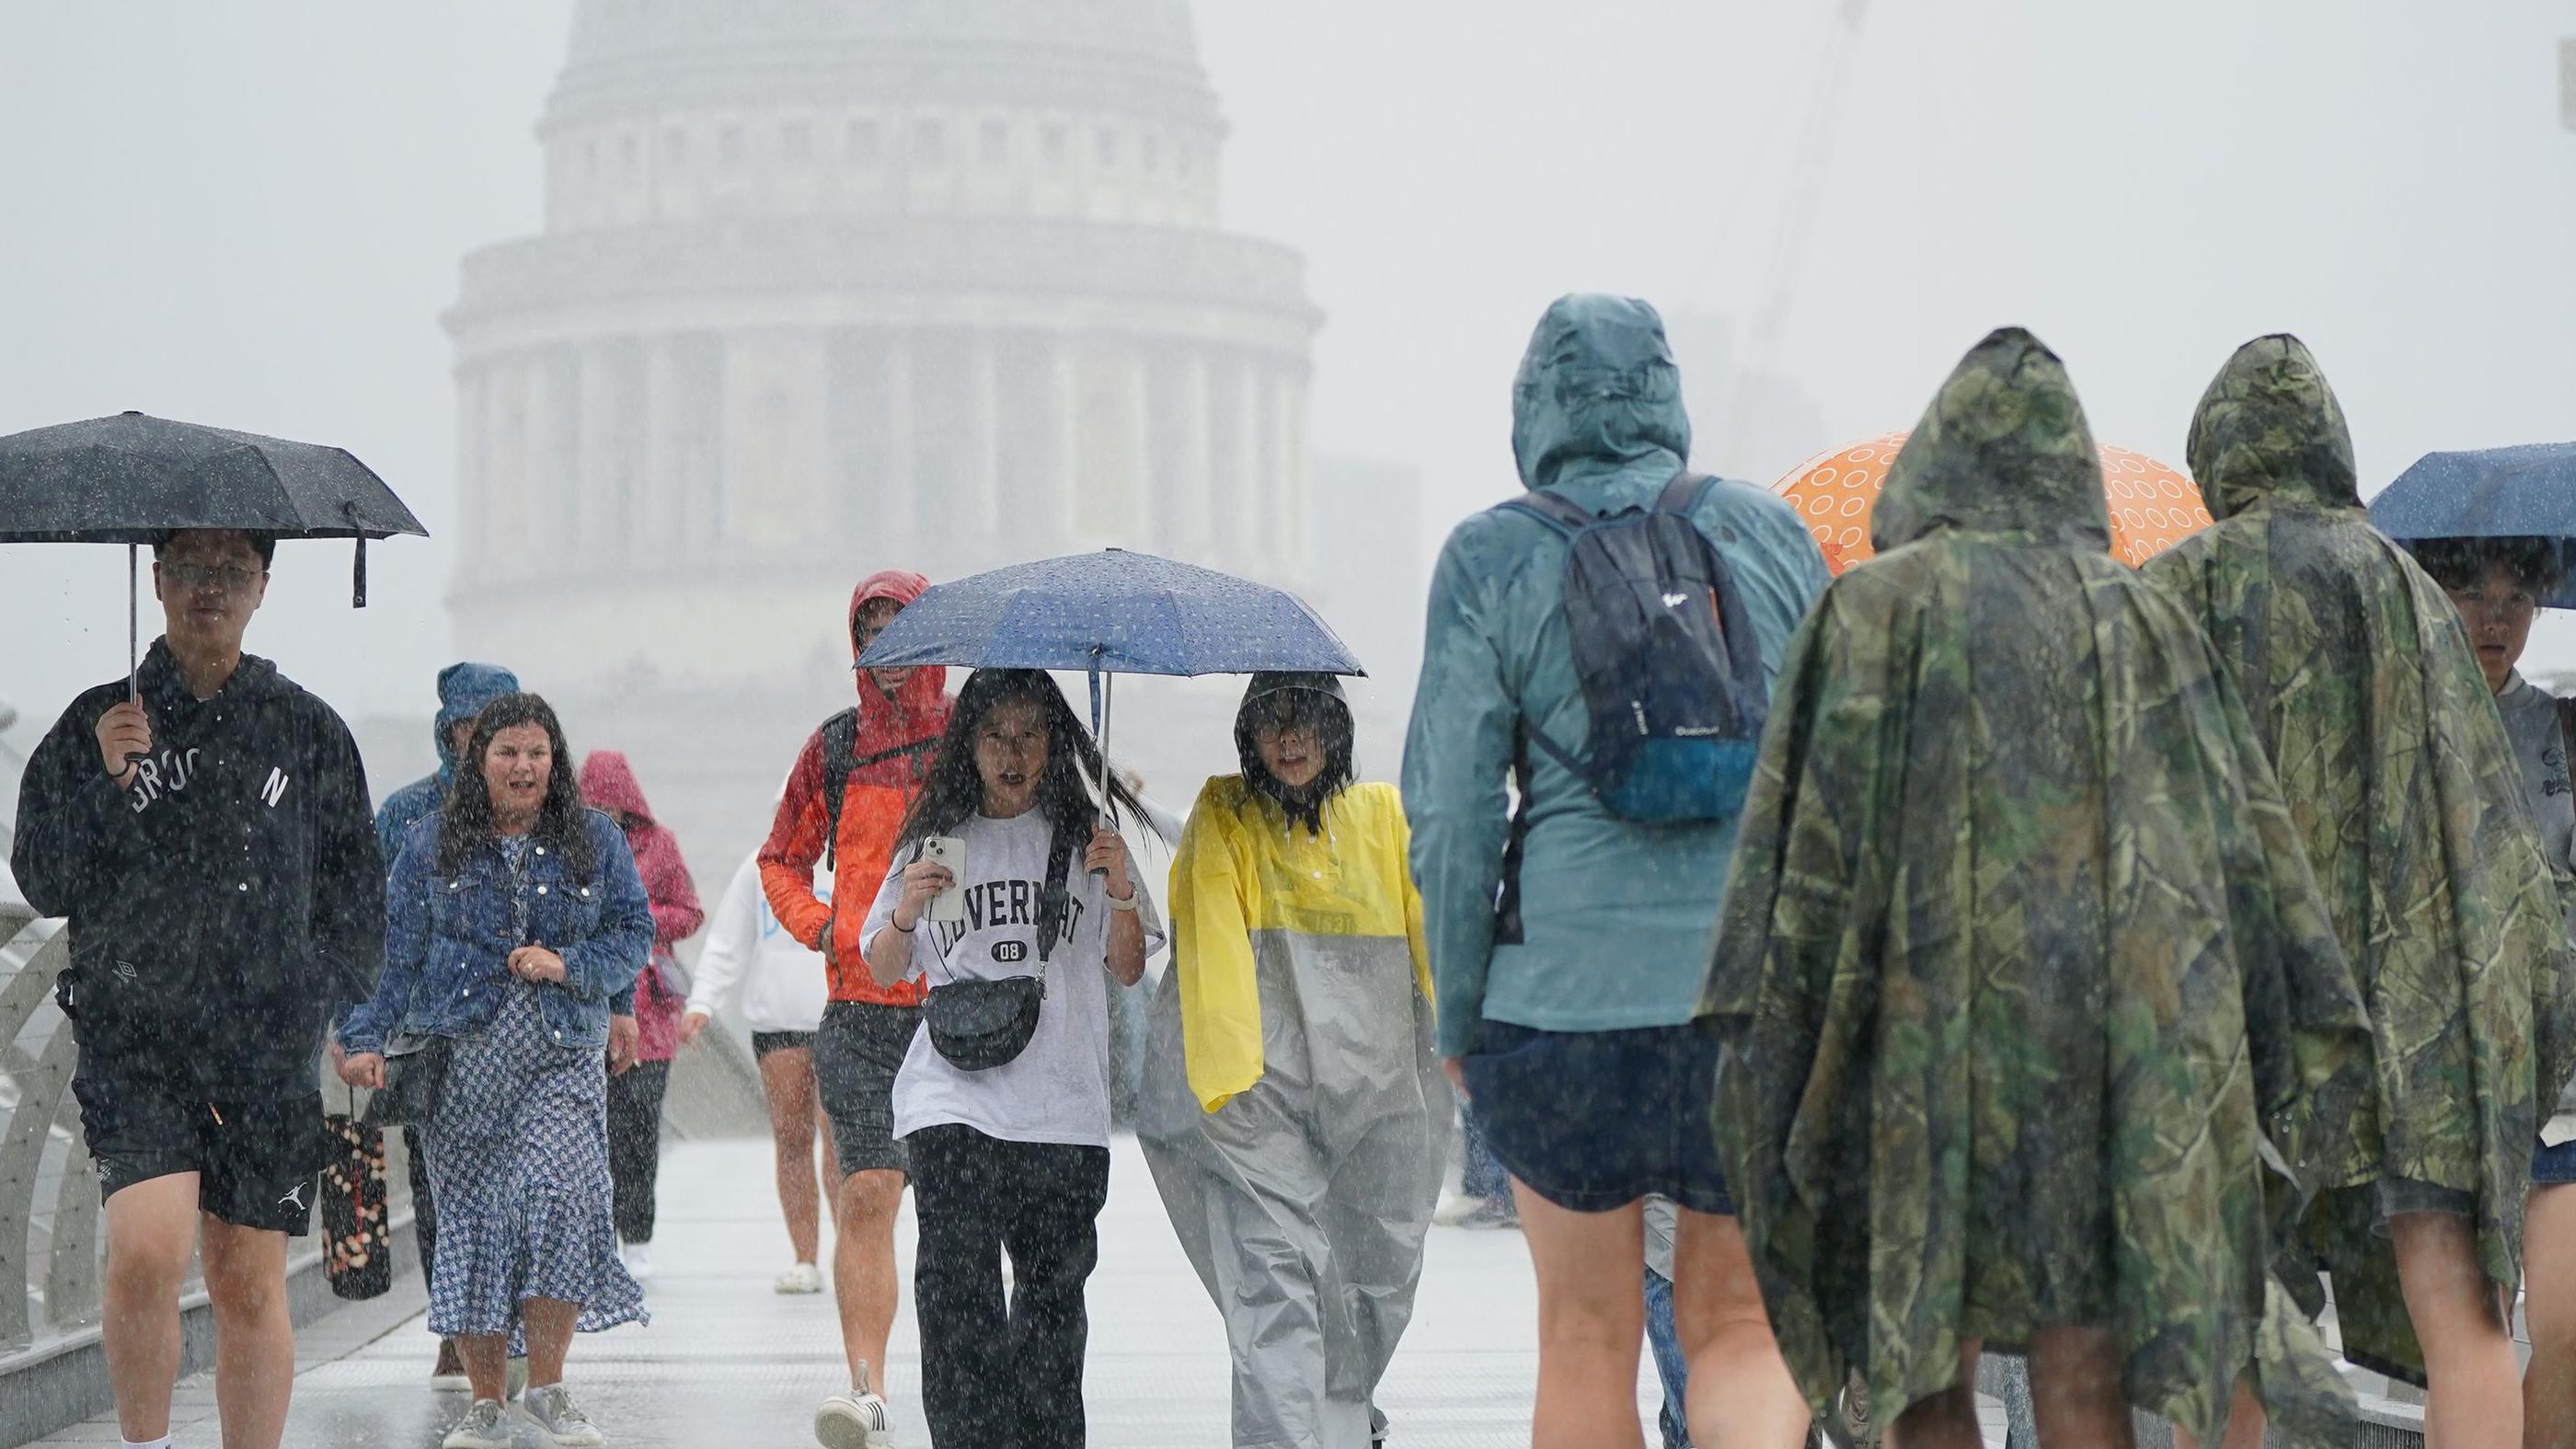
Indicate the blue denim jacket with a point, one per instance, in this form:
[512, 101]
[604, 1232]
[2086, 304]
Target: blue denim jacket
[448, 939]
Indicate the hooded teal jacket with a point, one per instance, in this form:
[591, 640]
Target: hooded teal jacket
[1618, 918]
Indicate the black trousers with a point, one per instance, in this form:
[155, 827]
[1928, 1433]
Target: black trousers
[997, 1376]
[635, 1146]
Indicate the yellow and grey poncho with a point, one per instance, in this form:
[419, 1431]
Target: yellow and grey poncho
[1294, 1114]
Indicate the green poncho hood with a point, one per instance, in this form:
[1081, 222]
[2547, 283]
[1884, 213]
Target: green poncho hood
[2366, 696]
[2004, 449]
[2019, 958]
[2269, 430]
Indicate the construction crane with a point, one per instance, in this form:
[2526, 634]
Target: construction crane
[1810, 165]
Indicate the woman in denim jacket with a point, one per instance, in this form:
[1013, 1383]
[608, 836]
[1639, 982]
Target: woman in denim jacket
[514, 916]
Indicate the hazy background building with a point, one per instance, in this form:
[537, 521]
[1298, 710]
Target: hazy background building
[827, 287]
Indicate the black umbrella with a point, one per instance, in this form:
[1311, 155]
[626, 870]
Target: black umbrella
[131, 479]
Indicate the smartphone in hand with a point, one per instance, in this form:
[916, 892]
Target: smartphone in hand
[949, 906]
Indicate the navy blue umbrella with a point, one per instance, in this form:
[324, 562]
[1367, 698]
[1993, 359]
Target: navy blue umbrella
[1111, 613]
[2520, 492]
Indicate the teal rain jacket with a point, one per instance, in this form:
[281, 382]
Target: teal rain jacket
[1618, 918]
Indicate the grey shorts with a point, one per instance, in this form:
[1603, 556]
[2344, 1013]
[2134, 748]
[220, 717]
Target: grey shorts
[857, 1051]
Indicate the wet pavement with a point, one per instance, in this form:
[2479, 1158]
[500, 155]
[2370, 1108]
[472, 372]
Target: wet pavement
[729, 1364]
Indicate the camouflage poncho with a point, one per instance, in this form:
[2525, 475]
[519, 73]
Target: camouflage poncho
[2367, 697]
[2020, 956]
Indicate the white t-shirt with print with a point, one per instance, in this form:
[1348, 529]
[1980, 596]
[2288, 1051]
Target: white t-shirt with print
[1057, 1088]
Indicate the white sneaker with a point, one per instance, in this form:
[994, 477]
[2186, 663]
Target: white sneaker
[560, 1421]
[639, 1260]
[855, 1420]
[803, 1278]
[485, 1426]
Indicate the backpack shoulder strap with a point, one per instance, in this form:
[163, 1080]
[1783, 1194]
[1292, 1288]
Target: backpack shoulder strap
[2567, 729]
[840, 736]
[1685, 493]
[1561, 515]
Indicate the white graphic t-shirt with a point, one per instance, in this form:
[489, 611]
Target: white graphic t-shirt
[1057, 1088]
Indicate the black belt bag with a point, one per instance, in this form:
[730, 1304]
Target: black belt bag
[979, 1025]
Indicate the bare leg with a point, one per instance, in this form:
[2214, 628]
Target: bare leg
[254, 1336]
[863, 1267]
[550, 1323]
[2075, 1398]
[1739, 1387]
[1947, 1420]
[1591, 1323]
[151, 1230]
[487, 1363]
[2474, 1400]
[787, 1081]
[831, 1170]
[2246, 1422]
[2549, 1304]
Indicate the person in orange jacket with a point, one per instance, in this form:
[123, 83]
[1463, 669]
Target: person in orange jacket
[846, 799]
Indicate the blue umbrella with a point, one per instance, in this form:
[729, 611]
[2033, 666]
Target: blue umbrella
[2520, 492]
[1111, 613]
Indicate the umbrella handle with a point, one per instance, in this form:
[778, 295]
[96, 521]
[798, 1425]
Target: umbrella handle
[133, 621]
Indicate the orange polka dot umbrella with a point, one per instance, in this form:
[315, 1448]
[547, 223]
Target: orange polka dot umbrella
[2153, 506]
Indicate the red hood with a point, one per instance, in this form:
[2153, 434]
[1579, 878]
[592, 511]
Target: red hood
[923, 693]
[608, 783]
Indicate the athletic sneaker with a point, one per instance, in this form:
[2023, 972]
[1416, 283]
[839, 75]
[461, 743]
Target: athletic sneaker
[855, 1420]
[803, 1278]
[559, 1420]
[639, 1260]
[1460, 1211]
[483, 1427]
[447, 1376]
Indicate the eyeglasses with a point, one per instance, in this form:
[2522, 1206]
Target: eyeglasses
[232, 578]
[1272, 731]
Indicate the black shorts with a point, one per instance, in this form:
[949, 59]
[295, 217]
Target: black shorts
[1595, 1120]
[254, 1161]
[857, 1052]
[765, 1042]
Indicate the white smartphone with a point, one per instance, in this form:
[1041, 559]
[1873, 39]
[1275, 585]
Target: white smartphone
[949, 906]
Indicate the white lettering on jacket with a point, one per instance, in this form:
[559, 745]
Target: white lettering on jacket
[166, 774]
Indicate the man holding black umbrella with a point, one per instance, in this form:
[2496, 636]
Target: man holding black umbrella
[206, 829]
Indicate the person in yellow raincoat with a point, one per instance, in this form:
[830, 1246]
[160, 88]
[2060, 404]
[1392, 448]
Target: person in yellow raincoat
[1294, 1113]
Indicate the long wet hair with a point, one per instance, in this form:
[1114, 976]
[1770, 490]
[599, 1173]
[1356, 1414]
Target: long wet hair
[1313, 702]
[465, 819]
[954, 791]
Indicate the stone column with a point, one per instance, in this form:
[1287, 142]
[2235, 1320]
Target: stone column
[657, 522]
[1125, 511]
[597, 534]
[983, 470]
[896, 493]
[1193, 488]
[530, 532]
[1246, 483]
[1057, 497]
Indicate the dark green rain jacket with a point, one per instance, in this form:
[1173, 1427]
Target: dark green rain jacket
[2020, 956]
[2385, 737]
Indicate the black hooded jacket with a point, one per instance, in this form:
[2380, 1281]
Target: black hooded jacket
[227, 905]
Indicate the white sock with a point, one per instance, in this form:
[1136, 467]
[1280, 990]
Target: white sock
[161, 1443]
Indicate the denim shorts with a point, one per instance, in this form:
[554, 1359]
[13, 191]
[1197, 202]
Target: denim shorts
[2551, 1166]
[1595, 1120]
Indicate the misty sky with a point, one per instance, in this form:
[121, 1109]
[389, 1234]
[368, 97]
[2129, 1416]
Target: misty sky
[251, 214]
